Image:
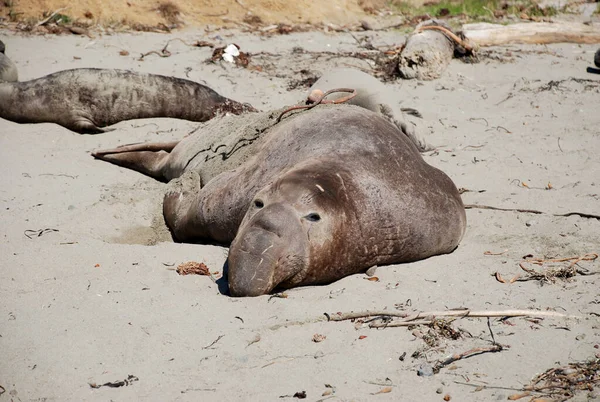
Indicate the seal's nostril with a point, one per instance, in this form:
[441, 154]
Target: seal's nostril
[259, 204]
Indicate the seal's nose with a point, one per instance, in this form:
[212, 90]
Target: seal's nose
[271, 236]
[252, 262]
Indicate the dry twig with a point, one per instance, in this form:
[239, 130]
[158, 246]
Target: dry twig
[550, 275]
[447, 313]
[46, 20]
[567, 379]
[530, 211]
[469, 353]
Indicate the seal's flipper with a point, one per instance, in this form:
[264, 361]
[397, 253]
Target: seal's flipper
[138, 147]
[149, 159]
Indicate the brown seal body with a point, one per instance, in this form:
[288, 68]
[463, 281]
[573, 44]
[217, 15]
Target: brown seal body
[86, 99]
[8, 70]
[321, 195]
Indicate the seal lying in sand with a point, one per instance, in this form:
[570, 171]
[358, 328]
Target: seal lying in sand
[8, 70]
[372, 94]
[321, 195]
[86, 99]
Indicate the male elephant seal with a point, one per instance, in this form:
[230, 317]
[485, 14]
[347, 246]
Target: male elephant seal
[321, 195]
[374, 95]
[8, 70]
[86, 99]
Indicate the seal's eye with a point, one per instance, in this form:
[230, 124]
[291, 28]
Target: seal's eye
[314, 217]
[259, 204]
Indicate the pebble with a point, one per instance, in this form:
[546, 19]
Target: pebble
[425, 370]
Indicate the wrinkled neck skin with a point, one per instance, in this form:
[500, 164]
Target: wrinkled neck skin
[294, 233]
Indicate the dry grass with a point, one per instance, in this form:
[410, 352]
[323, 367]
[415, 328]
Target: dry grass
[170, 12]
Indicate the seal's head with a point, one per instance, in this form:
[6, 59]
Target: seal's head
[293, 232]
[8, 69]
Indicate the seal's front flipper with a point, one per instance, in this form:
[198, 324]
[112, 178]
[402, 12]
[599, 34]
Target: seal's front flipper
[149, 159]
[180, 206]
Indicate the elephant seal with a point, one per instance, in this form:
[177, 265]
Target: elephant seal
[597, 58]
[84, 100]
[323, 194]
[374, 95]
[8, 70]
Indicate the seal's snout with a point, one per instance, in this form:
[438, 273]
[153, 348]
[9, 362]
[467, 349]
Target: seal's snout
[252, 263]
[268, 250]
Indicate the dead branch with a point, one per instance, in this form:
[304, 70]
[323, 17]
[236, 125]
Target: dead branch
[449, 313]
[484, 34]
[567, 379]
[530, 211]
[469, 353]
[550, 275]
[576, 259]
[427, 52]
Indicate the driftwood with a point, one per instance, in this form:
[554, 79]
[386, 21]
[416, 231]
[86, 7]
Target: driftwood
[484, 34]
[429, 49]
[427, 52]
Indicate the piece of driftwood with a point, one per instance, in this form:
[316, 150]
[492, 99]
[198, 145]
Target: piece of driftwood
[427, 52]
[485, 34]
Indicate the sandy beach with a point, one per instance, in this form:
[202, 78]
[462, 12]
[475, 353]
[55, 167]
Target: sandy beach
[88, 294]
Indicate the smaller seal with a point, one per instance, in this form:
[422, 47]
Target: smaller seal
[8, 69]
[85, 100]
[373, 95]
[597, 59]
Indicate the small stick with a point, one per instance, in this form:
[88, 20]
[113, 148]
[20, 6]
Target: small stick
[491, 332]
[45, 21]
[492, 253]
[530, 211]
[213, 342]
[364, 314]
[540, 261]
[488, 386]
[400, 323]
[29, 233]
[469, 353]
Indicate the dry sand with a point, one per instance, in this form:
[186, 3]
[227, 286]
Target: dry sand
[94, 301]
[152, 13]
